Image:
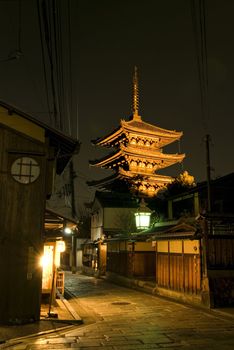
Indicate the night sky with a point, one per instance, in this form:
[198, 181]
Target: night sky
[107, 39]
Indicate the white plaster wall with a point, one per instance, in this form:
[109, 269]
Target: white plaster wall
[118, 218]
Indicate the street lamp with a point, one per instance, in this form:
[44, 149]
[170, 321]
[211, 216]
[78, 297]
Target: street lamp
[67, 230]
[72, 233]
[142, 216]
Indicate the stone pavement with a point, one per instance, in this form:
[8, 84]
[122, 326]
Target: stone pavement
[46, 325]
[119, 318]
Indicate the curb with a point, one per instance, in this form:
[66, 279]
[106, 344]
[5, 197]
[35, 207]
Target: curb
[4, 344]
[17, 341]
[223, 313]
[69, 308]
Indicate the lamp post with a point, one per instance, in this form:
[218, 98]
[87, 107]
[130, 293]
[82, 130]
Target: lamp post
[69, 231]
[142, 216]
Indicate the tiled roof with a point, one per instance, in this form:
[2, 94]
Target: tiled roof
[143, 126]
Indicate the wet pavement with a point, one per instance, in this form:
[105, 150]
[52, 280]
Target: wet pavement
[46, 325]
[120, 318]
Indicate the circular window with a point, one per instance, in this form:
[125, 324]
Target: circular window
[25, 170]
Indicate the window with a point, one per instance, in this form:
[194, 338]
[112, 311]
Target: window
[25, 170]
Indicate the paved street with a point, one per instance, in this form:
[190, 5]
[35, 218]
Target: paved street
[120, 318]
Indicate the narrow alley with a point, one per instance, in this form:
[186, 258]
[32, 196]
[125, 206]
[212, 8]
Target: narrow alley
[115, 318]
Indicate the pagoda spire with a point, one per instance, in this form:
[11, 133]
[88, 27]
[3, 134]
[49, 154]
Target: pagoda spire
[135, 95]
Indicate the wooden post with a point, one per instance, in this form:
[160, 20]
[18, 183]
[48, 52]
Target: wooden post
[74, 253]
[205, 286]
[73, 207]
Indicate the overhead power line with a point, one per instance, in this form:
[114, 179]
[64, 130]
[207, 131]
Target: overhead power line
[198, 12]
[44, 61]
[55, 33]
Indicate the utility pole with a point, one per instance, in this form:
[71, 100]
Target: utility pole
[74, 216]
[205, 226]
[208, 171]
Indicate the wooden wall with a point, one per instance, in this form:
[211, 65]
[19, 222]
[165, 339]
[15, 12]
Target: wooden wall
[102, 250]
[220, 264]
[178, 266]
[22, 220]
[117, 262]
[220, 252]
[126, 259]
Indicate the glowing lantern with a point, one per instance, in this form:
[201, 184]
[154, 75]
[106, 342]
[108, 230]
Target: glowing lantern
[68, 230]
[142, 216]
[61, 246]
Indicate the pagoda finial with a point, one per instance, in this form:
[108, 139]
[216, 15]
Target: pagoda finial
[135, 96]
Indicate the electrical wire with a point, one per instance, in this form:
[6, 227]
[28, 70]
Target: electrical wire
[198, 13]
[47, 26]
[58, 58]
[70, 65]
[19, 24]
[43, 61]
[55, 24]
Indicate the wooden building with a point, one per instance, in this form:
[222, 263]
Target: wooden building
[58, 252]
[111, 214]
[137, 153]
[205, 275]
[196, 264]
[30, 154]
[217, 235]
[193, 201]
[192, 254]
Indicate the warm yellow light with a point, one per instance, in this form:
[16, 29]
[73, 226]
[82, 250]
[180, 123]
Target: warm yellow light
[61, 246]
[142, 220]
[142, 216]
[47, 266]
[44, 261]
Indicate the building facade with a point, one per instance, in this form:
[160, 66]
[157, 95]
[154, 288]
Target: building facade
[111, 214]
[28, 162]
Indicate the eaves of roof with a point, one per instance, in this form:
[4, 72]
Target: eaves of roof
[64, 145]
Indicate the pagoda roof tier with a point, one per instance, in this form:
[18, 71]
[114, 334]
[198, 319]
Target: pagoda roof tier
[151, 179]
[103, 181]
[126, 154]
[123, 174]
[156, 181]
[109, 139]
[109, 160]
[140, 129]
[151, 155]
[146, 185]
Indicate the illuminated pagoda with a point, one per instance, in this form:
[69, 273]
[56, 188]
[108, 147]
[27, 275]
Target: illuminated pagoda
[138, 153]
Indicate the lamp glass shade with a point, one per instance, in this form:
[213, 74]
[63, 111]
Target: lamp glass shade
[61, 246]
[67, 230]
[142, 220]
[142, 216]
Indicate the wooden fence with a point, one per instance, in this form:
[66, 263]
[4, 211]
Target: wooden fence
[179, 272]
[132, 264]
[178, 266]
